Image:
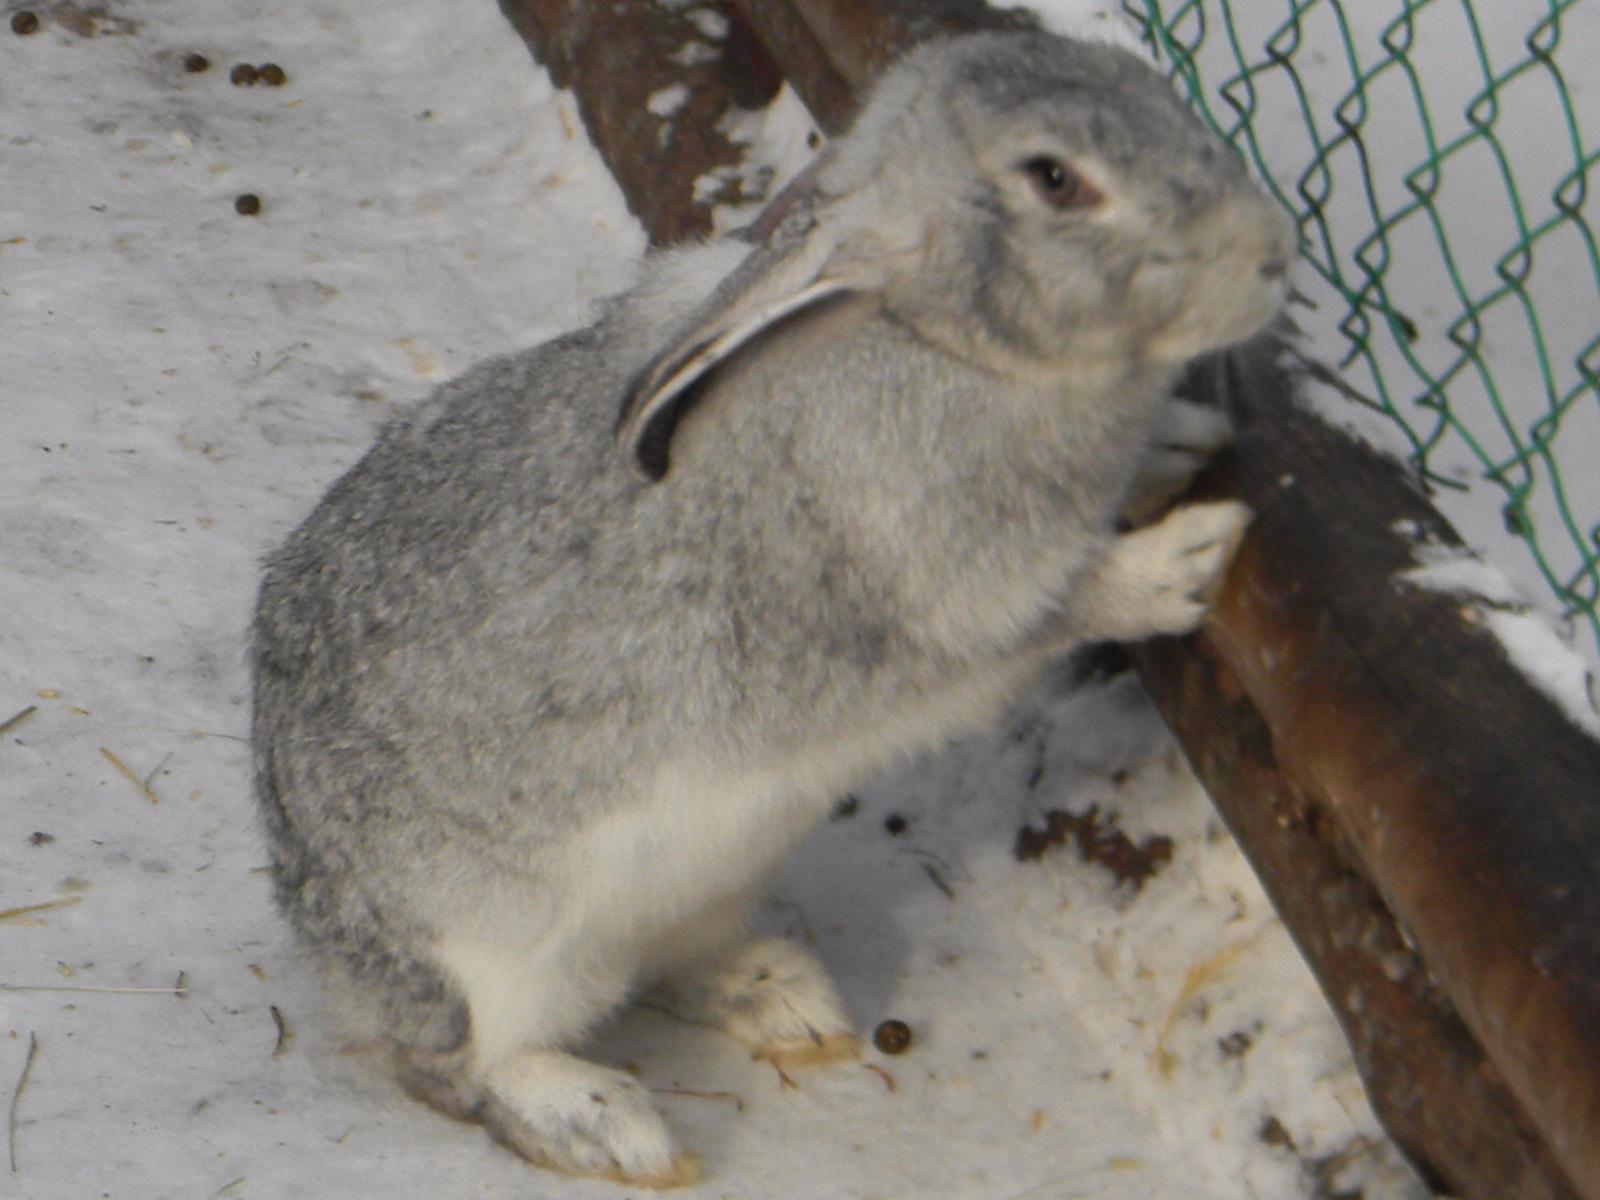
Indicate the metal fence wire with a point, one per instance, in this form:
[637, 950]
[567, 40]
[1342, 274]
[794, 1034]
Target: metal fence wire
[1432, 153]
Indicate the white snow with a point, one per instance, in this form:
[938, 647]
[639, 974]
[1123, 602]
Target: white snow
[1087, 20]
[778, 142]
[179, 383]
[694, 52]
[1531, 642]
[712, 25]
[667, 101]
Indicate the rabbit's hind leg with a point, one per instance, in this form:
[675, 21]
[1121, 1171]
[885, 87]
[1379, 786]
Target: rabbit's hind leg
[555, 1110]
[441, 1079]
[551, 1107]
[559, 1111]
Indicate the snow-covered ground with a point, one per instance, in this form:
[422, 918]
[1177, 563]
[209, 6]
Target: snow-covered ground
[179, 382]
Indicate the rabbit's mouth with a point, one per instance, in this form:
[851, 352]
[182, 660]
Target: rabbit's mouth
[1247, 308]
[1219, 297]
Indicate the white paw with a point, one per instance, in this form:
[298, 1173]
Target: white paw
[1197, 428]
[560, 1111]
[777, 999]
[1160, 580]
[1182, 442]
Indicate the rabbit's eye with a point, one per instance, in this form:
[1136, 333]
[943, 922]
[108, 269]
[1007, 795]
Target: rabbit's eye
[1058, 185]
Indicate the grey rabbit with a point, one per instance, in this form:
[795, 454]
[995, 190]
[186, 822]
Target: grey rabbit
[553, 678]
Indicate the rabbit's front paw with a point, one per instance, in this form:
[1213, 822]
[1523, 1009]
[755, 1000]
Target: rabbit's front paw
[782, 1005]
[1160, 579]
[1183, 441]
[562, 1112]
[775, 998]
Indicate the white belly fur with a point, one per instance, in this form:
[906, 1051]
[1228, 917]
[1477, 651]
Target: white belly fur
[703, 836]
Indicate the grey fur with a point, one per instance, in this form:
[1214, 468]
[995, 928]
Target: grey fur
[493, 634]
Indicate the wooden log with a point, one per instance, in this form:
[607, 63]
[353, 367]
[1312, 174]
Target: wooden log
[1435, 1091]
[1462, 792]
[856, 41]
[623, 59]
[1361, 739]
[830, 97]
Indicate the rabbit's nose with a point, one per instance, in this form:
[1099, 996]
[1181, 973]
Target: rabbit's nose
[1274, 268]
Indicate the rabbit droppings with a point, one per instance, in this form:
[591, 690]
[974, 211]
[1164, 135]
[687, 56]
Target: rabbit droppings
[552, 679]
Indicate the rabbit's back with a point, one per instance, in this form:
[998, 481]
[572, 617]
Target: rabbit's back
[430, 582]
[491, 597]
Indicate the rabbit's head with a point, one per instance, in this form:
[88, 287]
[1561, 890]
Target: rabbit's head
[1035, 205]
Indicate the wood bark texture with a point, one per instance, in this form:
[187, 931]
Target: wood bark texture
[1456, 788]
[1426, 822]
[1437, 1093]
[652, 82]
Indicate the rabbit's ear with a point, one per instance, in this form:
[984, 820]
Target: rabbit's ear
[808, 247]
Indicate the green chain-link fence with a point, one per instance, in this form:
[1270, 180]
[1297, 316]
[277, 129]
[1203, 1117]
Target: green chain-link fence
[1433, 154]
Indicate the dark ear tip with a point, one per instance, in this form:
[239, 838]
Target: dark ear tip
[651, 468]
[649, 453]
